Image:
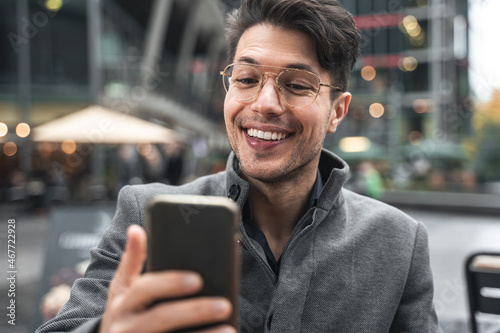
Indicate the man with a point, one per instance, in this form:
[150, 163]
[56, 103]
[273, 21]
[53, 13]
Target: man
[315, 257]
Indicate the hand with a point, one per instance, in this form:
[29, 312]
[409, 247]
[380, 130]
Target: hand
[131, 295]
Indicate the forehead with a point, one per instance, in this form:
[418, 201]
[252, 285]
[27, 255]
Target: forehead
[265, 44]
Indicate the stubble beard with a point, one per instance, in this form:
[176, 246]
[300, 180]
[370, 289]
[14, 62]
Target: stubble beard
[286, 172]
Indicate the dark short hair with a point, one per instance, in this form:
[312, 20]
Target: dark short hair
[329, 25]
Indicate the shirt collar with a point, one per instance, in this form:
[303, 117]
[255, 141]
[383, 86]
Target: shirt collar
[316, 191]
[255, 233]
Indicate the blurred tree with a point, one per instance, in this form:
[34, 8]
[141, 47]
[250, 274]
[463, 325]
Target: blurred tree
[485, 146]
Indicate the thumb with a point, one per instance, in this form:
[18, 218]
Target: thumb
[132, 260]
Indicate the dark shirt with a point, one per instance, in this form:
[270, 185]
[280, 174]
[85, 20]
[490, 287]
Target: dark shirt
[255, 233]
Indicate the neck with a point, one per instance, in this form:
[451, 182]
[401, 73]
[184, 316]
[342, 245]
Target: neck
[278, 206]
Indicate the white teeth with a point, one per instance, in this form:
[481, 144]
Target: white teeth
[266, 135]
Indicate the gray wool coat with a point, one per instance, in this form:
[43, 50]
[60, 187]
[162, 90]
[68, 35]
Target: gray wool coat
[352, 264]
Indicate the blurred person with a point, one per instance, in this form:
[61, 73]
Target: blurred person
[129, 168]
[152, 163]
[16, 189]
[437, 180]
[315, 257]
[368, 180]
[37, 185]
[174, 163]
[469, 180]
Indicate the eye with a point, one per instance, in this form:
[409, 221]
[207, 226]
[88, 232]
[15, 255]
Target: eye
[244, 78]
[299, 82]
[297, 87]
[246, 81]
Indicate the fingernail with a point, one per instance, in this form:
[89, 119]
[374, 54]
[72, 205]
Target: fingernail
[191, 281]
[221, 307]
[226, 330]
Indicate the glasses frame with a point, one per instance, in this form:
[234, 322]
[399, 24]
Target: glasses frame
[276, 80]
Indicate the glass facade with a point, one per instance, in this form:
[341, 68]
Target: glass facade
[410, 95]
[75, 60]
[8, 56]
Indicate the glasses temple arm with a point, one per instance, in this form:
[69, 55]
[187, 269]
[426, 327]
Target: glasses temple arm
[333, 87]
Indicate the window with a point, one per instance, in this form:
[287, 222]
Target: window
[59, 49]
[350, 6]
[380, 41]
[364, 7]
[417, 80]
[395, 43]
[8, 29]
[379, 6]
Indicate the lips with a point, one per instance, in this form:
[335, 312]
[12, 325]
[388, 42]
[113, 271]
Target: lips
[266, 135]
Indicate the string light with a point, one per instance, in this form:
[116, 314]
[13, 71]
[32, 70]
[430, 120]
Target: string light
[10, 148]
[68, 146]
[53, 5]
[368, 73]
[3, 129]
[354, 144]
[376, 110]
[23, 130]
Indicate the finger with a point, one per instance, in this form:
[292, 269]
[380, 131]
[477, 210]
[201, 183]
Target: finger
[158, 286]
[132, 259]
[219, 329]
[174, 315]
[135, 252]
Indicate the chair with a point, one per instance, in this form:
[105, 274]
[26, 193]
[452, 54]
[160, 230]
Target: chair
[483, 285]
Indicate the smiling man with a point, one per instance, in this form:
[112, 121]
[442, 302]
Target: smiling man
[316, 257]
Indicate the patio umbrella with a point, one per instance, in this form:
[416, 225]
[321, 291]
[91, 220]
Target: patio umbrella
[97, 124]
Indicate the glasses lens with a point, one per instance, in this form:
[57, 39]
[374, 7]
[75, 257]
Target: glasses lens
[298, 88]
[242, 82]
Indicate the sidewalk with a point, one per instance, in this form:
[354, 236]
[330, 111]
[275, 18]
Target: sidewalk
[453, 237]
[31, 232]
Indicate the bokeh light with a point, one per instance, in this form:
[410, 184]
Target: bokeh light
[53, 5]
[45, 149]
[410, 26]
[10, 148]
[376, 110]
[354, 144]
[23, 130]
[422, 3]
[420, 106]
[415, 138]
[408, 64]
[3, 129]
[368, 73]
[68, 146]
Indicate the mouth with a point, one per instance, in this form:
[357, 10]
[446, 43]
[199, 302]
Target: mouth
[266, 135]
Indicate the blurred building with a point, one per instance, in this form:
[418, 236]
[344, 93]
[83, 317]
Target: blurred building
[410, 88]
[156, 59]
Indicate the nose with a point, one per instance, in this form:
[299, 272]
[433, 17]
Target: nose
[268, 101]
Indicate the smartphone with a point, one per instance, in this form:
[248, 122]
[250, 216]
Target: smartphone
[197, 233]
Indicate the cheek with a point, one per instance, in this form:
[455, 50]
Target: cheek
[230, 109]
[228, 115]
[316, 122]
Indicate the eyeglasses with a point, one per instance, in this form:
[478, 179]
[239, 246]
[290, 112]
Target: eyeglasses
[297, 88]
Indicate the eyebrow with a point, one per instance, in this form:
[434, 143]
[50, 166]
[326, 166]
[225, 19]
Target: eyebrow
[302, 66]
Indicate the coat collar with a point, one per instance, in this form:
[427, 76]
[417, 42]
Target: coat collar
[334, 172]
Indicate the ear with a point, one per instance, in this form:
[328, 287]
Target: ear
[339, 110]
